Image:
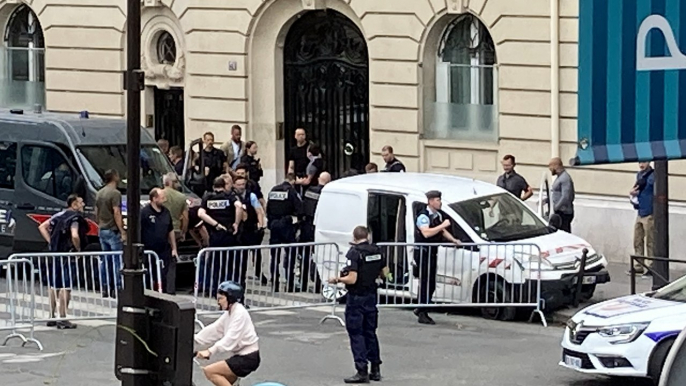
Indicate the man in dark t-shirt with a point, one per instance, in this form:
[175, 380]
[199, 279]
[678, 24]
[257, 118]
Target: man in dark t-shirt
[157, 235]
[297, 156]
[214, 160]
[513, 182]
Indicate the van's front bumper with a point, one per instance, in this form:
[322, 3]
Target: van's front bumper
[560, 292]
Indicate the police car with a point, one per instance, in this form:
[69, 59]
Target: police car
[388, 203]
[626, 337]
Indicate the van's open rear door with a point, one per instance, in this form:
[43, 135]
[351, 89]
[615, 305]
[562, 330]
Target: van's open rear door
[195, 181]
[544, 204]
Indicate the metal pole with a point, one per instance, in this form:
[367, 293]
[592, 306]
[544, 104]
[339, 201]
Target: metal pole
[131, 356]
[661, 219]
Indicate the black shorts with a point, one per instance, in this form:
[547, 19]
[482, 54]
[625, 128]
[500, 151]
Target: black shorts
[243, 365]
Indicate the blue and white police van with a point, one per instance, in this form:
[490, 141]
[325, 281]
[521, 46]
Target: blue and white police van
[626, 337]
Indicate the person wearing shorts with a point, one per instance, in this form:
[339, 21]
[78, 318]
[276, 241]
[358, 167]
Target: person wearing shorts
[234, 334]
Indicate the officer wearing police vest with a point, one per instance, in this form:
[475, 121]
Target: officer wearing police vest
[222, 212]
[310, 201]
[431, 227]
[366, 264]
[283, 205]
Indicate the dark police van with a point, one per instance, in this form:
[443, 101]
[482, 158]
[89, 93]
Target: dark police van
[45, 157]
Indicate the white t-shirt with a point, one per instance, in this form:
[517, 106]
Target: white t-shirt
[232, 333]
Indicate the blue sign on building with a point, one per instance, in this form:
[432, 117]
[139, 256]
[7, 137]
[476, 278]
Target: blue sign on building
[632, 81]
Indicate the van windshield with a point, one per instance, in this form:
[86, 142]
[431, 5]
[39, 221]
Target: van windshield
[500, 218]
[99, 159]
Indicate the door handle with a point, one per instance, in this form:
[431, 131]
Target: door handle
[26, 207]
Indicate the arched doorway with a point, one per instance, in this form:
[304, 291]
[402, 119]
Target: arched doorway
[23, 81]
[326, 88]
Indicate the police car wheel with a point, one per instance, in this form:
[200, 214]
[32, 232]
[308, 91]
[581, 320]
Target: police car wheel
[331, 293]
[657, 360]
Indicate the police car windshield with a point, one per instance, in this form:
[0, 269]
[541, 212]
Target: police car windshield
[500, 218]
[675, 291]
[99, 159]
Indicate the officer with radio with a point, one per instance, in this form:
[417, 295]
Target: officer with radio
[310, 201]
[283, 206]
[222, 212]
[366, 264]
[431, 228]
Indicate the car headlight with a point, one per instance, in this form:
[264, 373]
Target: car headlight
[623, 333]
[532, 264]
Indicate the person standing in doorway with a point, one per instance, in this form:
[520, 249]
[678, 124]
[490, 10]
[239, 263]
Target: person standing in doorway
[108, 212]
[251, 162]
[562, 194]
[310, 201]
[366, 264]
[163, 144]
[157, 235]
[314, 168]
[235, 148]
[297, 156]
[393, 165]
[642, 198]
[431, 227]
[176, 158]
[512, 181]
[214, 160]
[65, 232]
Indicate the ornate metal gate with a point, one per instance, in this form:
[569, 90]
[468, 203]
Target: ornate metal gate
[327, 88]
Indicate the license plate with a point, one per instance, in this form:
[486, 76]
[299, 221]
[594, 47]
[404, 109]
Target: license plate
[573, 362]
[589, 280]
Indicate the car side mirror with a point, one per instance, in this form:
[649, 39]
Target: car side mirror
[555, 221]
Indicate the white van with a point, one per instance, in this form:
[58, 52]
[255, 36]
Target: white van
[388, 203]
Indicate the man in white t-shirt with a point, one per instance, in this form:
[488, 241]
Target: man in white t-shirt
[233, 333]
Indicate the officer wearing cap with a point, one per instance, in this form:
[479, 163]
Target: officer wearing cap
[310, 201]
[283, 205]
[431, 227]
[366, 264]
[222, 212]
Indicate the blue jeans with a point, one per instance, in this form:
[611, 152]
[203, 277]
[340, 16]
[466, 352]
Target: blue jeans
[109, 274]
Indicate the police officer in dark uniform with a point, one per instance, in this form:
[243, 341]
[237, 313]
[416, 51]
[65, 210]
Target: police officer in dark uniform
[222, 213]
[431, 228]
[310, 201]
[366, 264]
[282, 206]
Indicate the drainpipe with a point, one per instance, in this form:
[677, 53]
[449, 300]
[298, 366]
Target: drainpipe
[555, 78]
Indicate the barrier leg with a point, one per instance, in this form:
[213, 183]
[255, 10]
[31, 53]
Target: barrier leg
[332, 315]
[199, 323]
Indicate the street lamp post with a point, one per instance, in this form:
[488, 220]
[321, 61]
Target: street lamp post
[132, 361]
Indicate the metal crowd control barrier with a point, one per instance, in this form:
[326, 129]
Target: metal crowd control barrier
[499, 278]
[86, 281]
[275, 277]
[17, 298]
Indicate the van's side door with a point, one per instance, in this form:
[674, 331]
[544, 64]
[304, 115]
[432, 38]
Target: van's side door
[45, 179]
[8, 172]
[386, 221]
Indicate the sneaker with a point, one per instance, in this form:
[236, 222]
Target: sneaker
[357, 378]
[65, 325]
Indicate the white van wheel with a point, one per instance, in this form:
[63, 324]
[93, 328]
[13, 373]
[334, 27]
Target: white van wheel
[331, 292]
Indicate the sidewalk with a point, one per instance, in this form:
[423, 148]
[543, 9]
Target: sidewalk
[620, 285]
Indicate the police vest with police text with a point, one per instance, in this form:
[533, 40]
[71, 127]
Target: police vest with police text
[433, 222]
[280, 201]
[220, 206]
[370, 262]
[310, 201]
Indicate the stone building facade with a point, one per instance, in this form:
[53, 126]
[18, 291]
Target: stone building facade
[453, 85]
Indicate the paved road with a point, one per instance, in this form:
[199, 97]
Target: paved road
[296, 350]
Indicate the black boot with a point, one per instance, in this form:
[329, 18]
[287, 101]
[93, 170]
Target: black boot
[359, 377]
[423, 317]
[375, 374]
